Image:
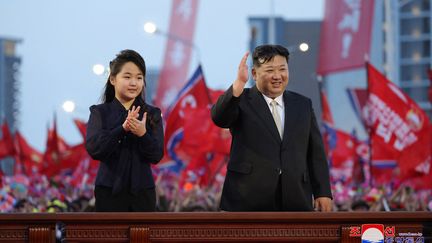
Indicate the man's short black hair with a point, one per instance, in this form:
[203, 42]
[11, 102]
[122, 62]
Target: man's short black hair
[265, 53]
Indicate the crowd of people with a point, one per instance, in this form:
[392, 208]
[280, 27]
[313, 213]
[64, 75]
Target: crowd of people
[22, 194]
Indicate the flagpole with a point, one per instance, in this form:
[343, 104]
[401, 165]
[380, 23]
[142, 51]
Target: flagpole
[369, 130]
[320, 88]
[271, 24]
[320, 84]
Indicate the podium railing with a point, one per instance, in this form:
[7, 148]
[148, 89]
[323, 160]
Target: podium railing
[214, 226]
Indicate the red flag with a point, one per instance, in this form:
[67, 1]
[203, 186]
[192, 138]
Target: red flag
[399, 127]
[204, 142]
[6, 143]
[178, 52]
[73, 156]
[28, 159]
[196, 172]
[201, 134]
[342, 156]
[345, 35]
[384, 161]
[214, 94]
[203, 169]
[193, 95]
[56, 148]
[52, 149]
[82, 127]
[344, 150]
[420, 182]
[222, 140]
[192, 140]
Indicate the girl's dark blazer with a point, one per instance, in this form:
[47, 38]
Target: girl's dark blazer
[125, 158]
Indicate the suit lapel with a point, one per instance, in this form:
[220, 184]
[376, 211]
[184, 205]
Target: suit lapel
[260, 107]
[291, 115]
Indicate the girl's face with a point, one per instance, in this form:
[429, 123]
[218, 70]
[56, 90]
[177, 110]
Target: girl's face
[128, 83]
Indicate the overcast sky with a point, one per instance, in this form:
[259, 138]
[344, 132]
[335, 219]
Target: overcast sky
[62, 40]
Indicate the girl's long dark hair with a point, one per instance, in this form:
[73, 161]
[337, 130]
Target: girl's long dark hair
[116, 65]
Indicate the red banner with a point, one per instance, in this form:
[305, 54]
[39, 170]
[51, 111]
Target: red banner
[345, 35]
[178, 52]
[384, 161]
[399, 127]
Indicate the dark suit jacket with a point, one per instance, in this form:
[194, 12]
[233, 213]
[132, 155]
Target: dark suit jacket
[259, 155]
[125, 158]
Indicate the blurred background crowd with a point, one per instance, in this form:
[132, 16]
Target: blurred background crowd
[19, 194]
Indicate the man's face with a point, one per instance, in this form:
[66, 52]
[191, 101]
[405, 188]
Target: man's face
[272, 77]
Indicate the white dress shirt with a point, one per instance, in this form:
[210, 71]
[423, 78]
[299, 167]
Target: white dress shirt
[280, 108]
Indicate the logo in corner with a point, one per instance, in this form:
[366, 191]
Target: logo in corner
[372, 233]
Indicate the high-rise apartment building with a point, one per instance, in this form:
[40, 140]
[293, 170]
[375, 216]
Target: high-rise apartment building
[9, 89]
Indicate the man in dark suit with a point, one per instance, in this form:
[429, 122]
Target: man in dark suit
[277, 160]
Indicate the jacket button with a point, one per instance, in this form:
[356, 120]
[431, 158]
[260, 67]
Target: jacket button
[279, 171]
[119, 141]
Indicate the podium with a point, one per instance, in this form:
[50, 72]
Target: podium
[215, 227]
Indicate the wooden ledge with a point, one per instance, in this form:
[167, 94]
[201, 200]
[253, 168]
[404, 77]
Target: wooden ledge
[207, 226]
